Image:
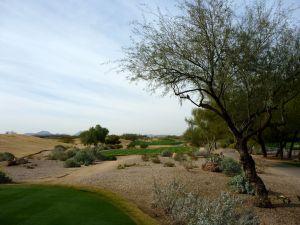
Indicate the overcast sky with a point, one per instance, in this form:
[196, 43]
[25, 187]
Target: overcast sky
[51, 72]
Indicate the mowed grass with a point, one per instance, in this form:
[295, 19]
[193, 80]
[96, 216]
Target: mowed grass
[139, 151]
[47, 205]
[158, 142]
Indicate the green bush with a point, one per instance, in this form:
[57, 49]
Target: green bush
[166, 153]
[86, 157]
[58, 154]
[6, 156]
[230, 167]
[240, 184]
[71, 152]
[131, 145]
[144, 145]
[4, 179]
[112, 140]
[71, 163]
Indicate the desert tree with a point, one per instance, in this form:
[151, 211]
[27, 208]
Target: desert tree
[206, 127]
[94, 135]
[241, 66]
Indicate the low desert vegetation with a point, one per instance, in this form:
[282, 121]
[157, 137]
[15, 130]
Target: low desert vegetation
[74, 157]
[184, 207]
[4, 179]
[6, 156]
[241, 185]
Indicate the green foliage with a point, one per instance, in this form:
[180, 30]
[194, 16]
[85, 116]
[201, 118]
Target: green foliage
[240, 184]
[230, 166]
[94, 135]
[132, 137]
[4, 179]
[163, 141]
[58, 154]
[71, 163]
[184, 207]
[112, 140]
[71, 152]
[144, 145]
[86, 157]
[205, 128]
[131, 145]
[6, 156]
[166, 153]
[140, 151]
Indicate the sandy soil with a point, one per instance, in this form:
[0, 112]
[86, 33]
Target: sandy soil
[22, 145]
[136, 183]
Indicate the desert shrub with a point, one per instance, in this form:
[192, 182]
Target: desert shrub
[6, 156]
[179, 157]
[240, 184]
[85, 157]
[144, 145]
[169, 164]
[71, 152]
[215, 158]
[58, 154]
[71, 163]
[189, 165]
[200, 153]
[112, 139]
[230, 167]
[131, 145]
[186, 208]
[99, 156]
[60, 147]
[118, 146]
[155, 159]
[166, 153]
[4, 179]
[145, 158]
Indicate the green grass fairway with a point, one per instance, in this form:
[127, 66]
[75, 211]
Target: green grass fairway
[141, 151]
[159, 142]
[46, 205]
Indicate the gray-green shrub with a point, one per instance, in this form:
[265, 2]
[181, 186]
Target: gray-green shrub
[6, 156]
[71, 163]
[240, 184]
[58, 154]
[85, 157]
[230, 166]
[166, 153]
[186, 208]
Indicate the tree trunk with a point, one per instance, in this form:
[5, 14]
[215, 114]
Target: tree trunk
[262, 144]
[250, 173]
[292, 144]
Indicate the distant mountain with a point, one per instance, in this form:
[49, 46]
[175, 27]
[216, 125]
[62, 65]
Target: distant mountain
[40, 134]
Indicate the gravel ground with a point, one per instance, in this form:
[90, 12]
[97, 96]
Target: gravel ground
[136, 183]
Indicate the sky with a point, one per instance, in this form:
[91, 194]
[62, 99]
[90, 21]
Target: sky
[57, 71]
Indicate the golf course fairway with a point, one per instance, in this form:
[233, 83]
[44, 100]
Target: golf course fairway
[57, 205]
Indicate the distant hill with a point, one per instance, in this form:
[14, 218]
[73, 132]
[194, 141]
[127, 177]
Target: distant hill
[40, 133]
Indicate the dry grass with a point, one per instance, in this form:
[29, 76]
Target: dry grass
[22, 145]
